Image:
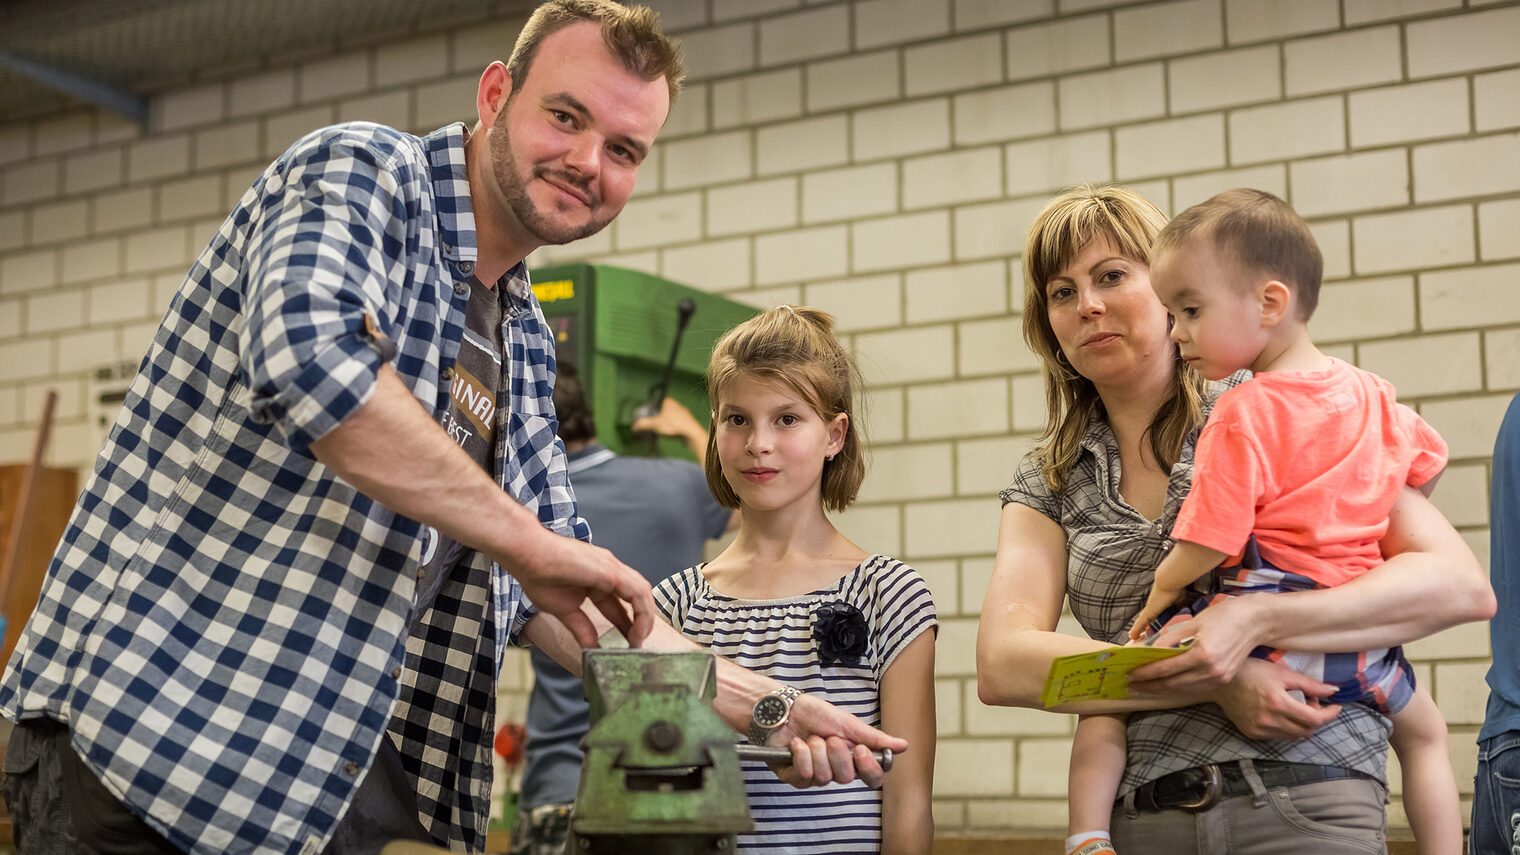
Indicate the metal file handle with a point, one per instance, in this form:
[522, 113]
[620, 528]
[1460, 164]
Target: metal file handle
[782, 755]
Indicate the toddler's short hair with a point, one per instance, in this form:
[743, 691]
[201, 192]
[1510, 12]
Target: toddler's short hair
[1261, 232]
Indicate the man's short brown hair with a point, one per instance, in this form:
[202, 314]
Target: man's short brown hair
[632, 33]
[1259, 232]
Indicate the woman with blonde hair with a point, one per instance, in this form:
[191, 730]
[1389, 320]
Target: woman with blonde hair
[1222, 753]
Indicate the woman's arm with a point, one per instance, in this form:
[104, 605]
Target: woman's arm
[1016, 643]
[907, 710]
[1430, 582]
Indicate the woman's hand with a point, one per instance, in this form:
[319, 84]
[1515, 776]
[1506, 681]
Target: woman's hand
[1261, 702]
[1218, 640]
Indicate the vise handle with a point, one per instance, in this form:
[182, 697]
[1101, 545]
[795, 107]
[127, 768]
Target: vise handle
[784, 756]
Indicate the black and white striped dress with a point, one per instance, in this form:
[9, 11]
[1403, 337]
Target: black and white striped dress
[775, 638]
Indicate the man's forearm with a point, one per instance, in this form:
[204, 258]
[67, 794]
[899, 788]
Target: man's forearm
[393, 452]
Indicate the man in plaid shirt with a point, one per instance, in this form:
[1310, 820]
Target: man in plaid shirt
[275, 620]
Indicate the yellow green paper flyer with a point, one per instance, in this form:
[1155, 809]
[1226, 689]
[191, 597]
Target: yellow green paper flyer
[1102, 675]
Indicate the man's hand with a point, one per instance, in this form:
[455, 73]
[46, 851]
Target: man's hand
[565, 572]
[830, 745]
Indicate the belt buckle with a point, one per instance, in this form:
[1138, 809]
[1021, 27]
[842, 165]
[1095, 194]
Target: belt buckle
[1212, 783]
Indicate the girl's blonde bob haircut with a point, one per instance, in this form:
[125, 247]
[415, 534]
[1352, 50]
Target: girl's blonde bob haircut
[1129, 222]
[796, 348]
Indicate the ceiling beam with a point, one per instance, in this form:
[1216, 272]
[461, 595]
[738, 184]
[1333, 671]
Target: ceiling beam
[134, 107]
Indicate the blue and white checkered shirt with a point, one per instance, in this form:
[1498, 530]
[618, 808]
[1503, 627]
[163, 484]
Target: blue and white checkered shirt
[224, 624]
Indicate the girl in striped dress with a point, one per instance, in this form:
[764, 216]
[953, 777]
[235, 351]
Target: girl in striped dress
[795, 599]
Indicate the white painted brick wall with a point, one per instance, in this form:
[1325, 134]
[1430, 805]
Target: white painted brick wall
[1294, 129]
[714, 265]
[159, 157]
[910, 355]
[1042, 166]
[1174, 145]
[1342, 61]
[1426, 237]
[956, 291]
[884, 22]
[719, 51]
[30, 182]
[1168, 29]
[1450, 298]
[1471, 167]
[1253, 20]
[262, 93]
[1427, 364]
[954, 64]
[1112, 97]
[804, 35]
[1225, 79]
[58, 221]
[858, 191]
[1468, 425]
[909, 128]
[1499, 229]
[1419, 111]
[1476, 40]
[973, 767]
[757, 98]
[863, 303]
[817, 253]
[905, 241]
[996, 229]
[805, 144]
[906, 472]
[659, 220]
[882, 160]
[984, 467]
[861, 79]
[1063, 46]
[995, 347]
[1366, 308]
[1497, 100]
[707, 160]
[1009, 112]
[1502, 356]
[967, 175]
[1354, 182]
[966, 408]
[1190, 190]
[756, 206]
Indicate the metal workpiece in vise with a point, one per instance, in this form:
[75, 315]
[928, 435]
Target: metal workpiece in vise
[661, 771]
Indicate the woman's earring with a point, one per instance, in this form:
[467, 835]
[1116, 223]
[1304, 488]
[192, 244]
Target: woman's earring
[828, 457]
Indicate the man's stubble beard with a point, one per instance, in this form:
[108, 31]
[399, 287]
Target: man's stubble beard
[516, 193]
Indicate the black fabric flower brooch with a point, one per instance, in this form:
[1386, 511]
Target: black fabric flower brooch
[841, 632]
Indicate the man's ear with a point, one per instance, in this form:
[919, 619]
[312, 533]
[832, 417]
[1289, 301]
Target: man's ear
[491, 96]
[1276, 300]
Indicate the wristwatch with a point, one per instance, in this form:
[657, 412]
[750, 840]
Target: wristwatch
[770, 713]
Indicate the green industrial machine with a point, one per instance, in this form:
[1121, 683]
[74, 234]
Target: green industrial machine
[623, 330]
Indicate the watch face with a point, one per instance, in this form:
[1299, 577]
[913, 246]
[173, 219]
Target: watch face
[770, 711]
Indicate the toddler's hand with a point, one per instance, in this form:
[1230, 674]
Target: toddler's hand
[1158, 602]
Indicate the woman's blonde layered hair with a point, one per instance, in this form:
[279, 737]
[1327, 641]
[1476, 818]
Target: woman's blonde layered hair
[796, 348]
[1059, 233]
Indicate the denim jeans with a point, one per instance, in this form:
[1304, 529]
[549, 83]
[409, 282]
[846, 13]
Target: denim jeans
[1496, 797]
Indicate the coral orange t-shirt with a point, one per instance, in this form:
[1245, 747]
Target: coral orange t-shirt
[1310, 462]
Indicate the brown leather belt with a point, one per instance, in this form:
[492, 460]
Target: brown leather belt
[1201, 787]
